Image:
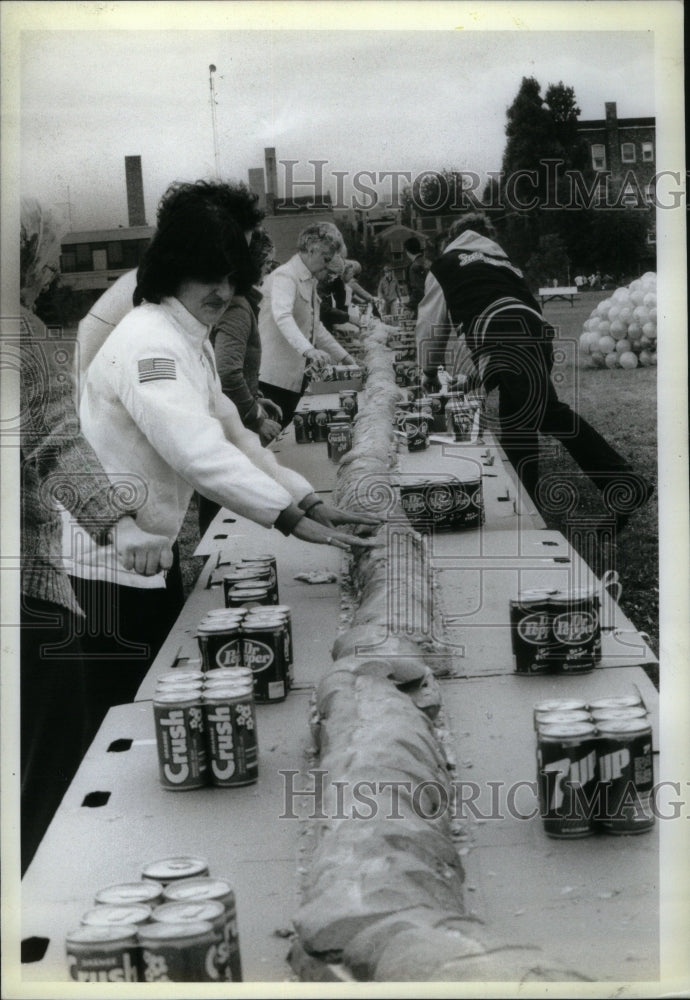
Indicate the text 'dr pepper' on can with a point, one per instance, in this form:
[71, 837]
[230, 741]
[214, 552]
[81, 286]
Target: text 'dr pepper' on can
[530, 633]
[169, 870]
[625, 771]
[103, 954]
[220, 642]
[230, 722]
[263, 650]
[576, 632]
[179, 953]
[567, 779]
[192, 912]
[219, 889]
[180, 739]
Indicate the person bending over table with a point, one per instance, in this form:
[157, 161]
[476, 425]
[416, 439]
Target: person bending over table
[474, 287]
[293, 338]
[153, 407]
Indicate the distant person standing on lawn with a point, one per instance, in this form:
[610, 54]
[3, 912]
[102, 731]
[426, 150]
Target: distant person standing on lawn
[473, 286]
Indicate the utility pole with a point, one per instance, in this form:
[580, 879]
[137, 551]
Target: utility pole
[214, 122]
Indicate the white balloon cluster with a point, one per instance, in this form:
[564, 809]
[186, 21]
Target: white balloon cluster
[621, 331]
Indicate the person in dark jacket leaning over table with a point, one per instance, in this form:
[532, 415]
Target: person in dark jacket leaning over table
[237, 348]
[475, 288]
[153, 407]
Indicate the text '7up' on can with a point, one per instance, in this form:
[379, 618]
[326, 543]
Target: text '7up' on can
[530, 632]
[219, 889]
[263, 650]
[179, 953]
[180, 739]
[626, 775]
[230, 723]
[567, 778]
[103, 954]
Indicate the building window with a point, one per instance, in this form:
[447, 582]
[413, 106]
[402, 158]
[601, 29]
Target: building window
[68, 262]
[647, 152]
[598, 156]
[115, 254]
[628, 152]
[83, 256]
[649, 194]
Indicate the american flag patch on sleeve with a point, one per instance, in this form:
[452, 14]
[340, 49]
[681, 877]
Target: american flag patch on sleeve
[154, 369]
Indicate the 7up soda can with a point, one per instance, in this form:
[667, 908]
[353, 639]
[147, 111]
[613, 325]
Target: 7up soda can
[567, 778]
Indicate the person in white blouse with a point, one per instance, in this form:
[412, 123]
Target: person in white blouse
[293, 338]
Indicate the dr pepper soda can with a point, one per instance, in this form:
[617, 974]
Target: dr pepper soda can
[530, 630]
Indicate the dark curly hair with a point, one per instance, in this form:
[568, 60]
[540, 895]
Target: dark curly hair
[196, 240]
[235, 199]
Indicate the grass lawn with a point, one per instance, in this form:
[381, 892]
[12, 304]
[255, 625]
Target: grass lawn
[621, 405]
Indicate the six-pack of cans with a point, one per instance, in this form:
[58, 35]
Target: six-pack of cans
[177, 923]
[555, 632]
[594, 766]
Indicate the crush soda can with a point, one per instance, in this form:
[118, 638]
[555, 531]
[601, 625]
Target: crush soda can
[180, 739]
[263, 650]
[230, 722]
[339, 440]
[168, 870]
[530, 632]
[567, 779]
[103, 954]
[149, 893]
[626, 774]
[117, 915]
[197, 889]
[179, 953]
[192, 912]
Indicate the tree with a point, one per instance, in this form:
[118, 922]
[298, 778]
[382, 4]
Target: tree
[39, 250]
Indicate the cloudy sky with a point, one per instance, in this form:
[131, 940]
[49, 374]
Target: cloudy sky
[367, 96]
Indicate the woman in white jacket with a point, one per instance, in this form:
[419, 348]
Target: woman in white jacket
[155, 414]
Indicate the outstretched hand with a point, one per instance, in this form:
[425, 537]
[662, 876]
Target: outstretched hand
[327, 514]
[310, 530]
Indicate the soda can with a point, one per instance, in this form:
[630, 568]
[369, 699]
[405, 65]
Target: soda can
[196, 889]
[263, 650]
[245, 575]
[179, 953]
[272, 563]
[230, 722]
[220, 642]
[300, 422]
[530, 633]
[209, 911]
[459, 420]
[348, 401]
[339, 440]
[249, 595]
[576, 632]
[556, 718]
[416, 429]
[618, 701]
[149, 893]
[567, 779]
[625, 770]
[117, 915]
[103, 954]
[558, 705]
[179, 678]
[279, 620]
[168, 870]
[318, 421]
[227, 675]
[633, 712]
[180, 739]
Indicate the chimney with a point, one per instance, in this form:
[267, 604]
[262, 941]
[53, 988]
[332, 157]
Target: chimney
[257, 185]
[613, 150]
[271, 177]
[135, 191]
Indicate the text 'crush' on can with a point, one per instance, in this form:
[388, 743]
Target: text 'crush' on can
[211, 911]
[106, 954]
[567, 779]
[230, 722]
[180, 739]
[221, 890]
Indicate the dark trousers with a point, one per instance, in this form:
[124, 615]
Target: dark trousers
[124, 629]
[519, 360]
[207, 511]
[288, 401]
[54, 720]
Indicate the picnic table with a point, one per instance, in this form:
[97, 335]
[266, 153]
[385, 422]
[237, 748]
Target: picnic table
[558, 292]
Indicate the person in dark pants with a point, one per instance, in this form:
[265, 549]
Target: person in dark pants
[416, 273]
[474, 286]
[58, 467]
